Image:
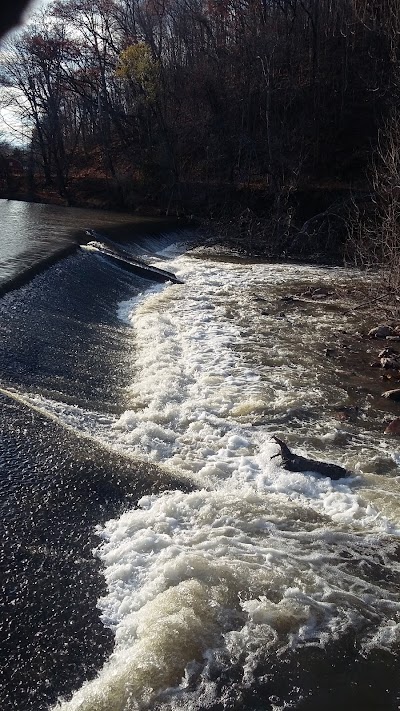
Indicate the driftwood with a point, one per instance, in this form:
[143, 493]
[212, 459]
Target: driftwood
[296, 463]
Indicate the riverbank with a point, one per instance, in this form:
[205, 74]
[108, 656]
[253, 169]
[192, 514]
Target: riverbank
[356, 352]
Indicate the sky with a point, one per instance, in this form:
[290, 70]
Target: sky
[33, 7]
[11, 128]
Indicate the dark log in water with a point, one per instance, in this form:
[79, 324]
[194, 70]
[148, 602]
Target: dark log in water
[295, 463]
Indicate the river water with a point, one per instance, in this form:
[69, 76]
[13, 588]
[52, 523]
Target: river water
[32, 232]
[233, 583]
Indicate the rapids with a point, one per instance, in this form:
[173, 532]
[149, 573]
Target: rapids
[138, 475]
[258, 566]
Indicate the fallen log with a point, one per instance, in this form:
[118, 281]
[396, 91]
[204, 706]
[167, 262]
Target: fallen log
[295, 463]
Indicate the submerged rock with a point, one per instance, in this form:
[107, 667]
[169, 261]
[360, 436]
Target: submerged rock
[389, 359]
[391, 375]
[318, 292]
[382, 331]
[393, 427]
[344, 412]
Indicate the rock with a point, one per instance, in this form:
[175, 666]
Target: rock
[392, 394]
[321, 294]
[295, 463]
[388, 352]
[318, 292]
[390, 363]
[393, 375]
[382, 331]
[393, 427]
[389, 359]
[344, 413]
[322, 291]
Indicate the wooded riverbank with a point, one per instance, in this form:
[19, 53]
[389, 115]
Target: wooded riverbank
[277, 123]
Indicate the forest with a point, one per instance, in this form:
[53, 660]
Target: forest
[274, 120]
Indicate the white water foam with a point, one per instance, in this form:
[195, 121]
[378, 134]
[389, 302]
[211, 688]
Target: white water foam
[257, 558]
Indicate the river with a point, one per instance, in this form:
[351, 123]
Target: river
[156, 554]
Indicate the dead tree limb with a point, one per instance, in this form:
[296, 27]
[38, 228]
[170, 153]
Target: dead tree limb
[295, 463]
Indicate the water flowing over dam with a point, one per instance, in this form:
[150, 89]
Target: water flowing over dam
[156, 555]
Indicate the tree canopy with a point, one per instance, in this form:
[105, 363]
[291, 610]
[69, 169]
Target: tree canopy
[185, 97]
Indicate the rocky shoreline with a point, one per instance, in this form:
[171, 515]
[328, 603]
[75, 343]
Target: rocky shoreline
[367, 359]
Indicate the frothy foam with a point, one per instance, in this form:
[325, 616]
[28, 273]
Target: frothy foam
[244, 571]
[258, 558]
